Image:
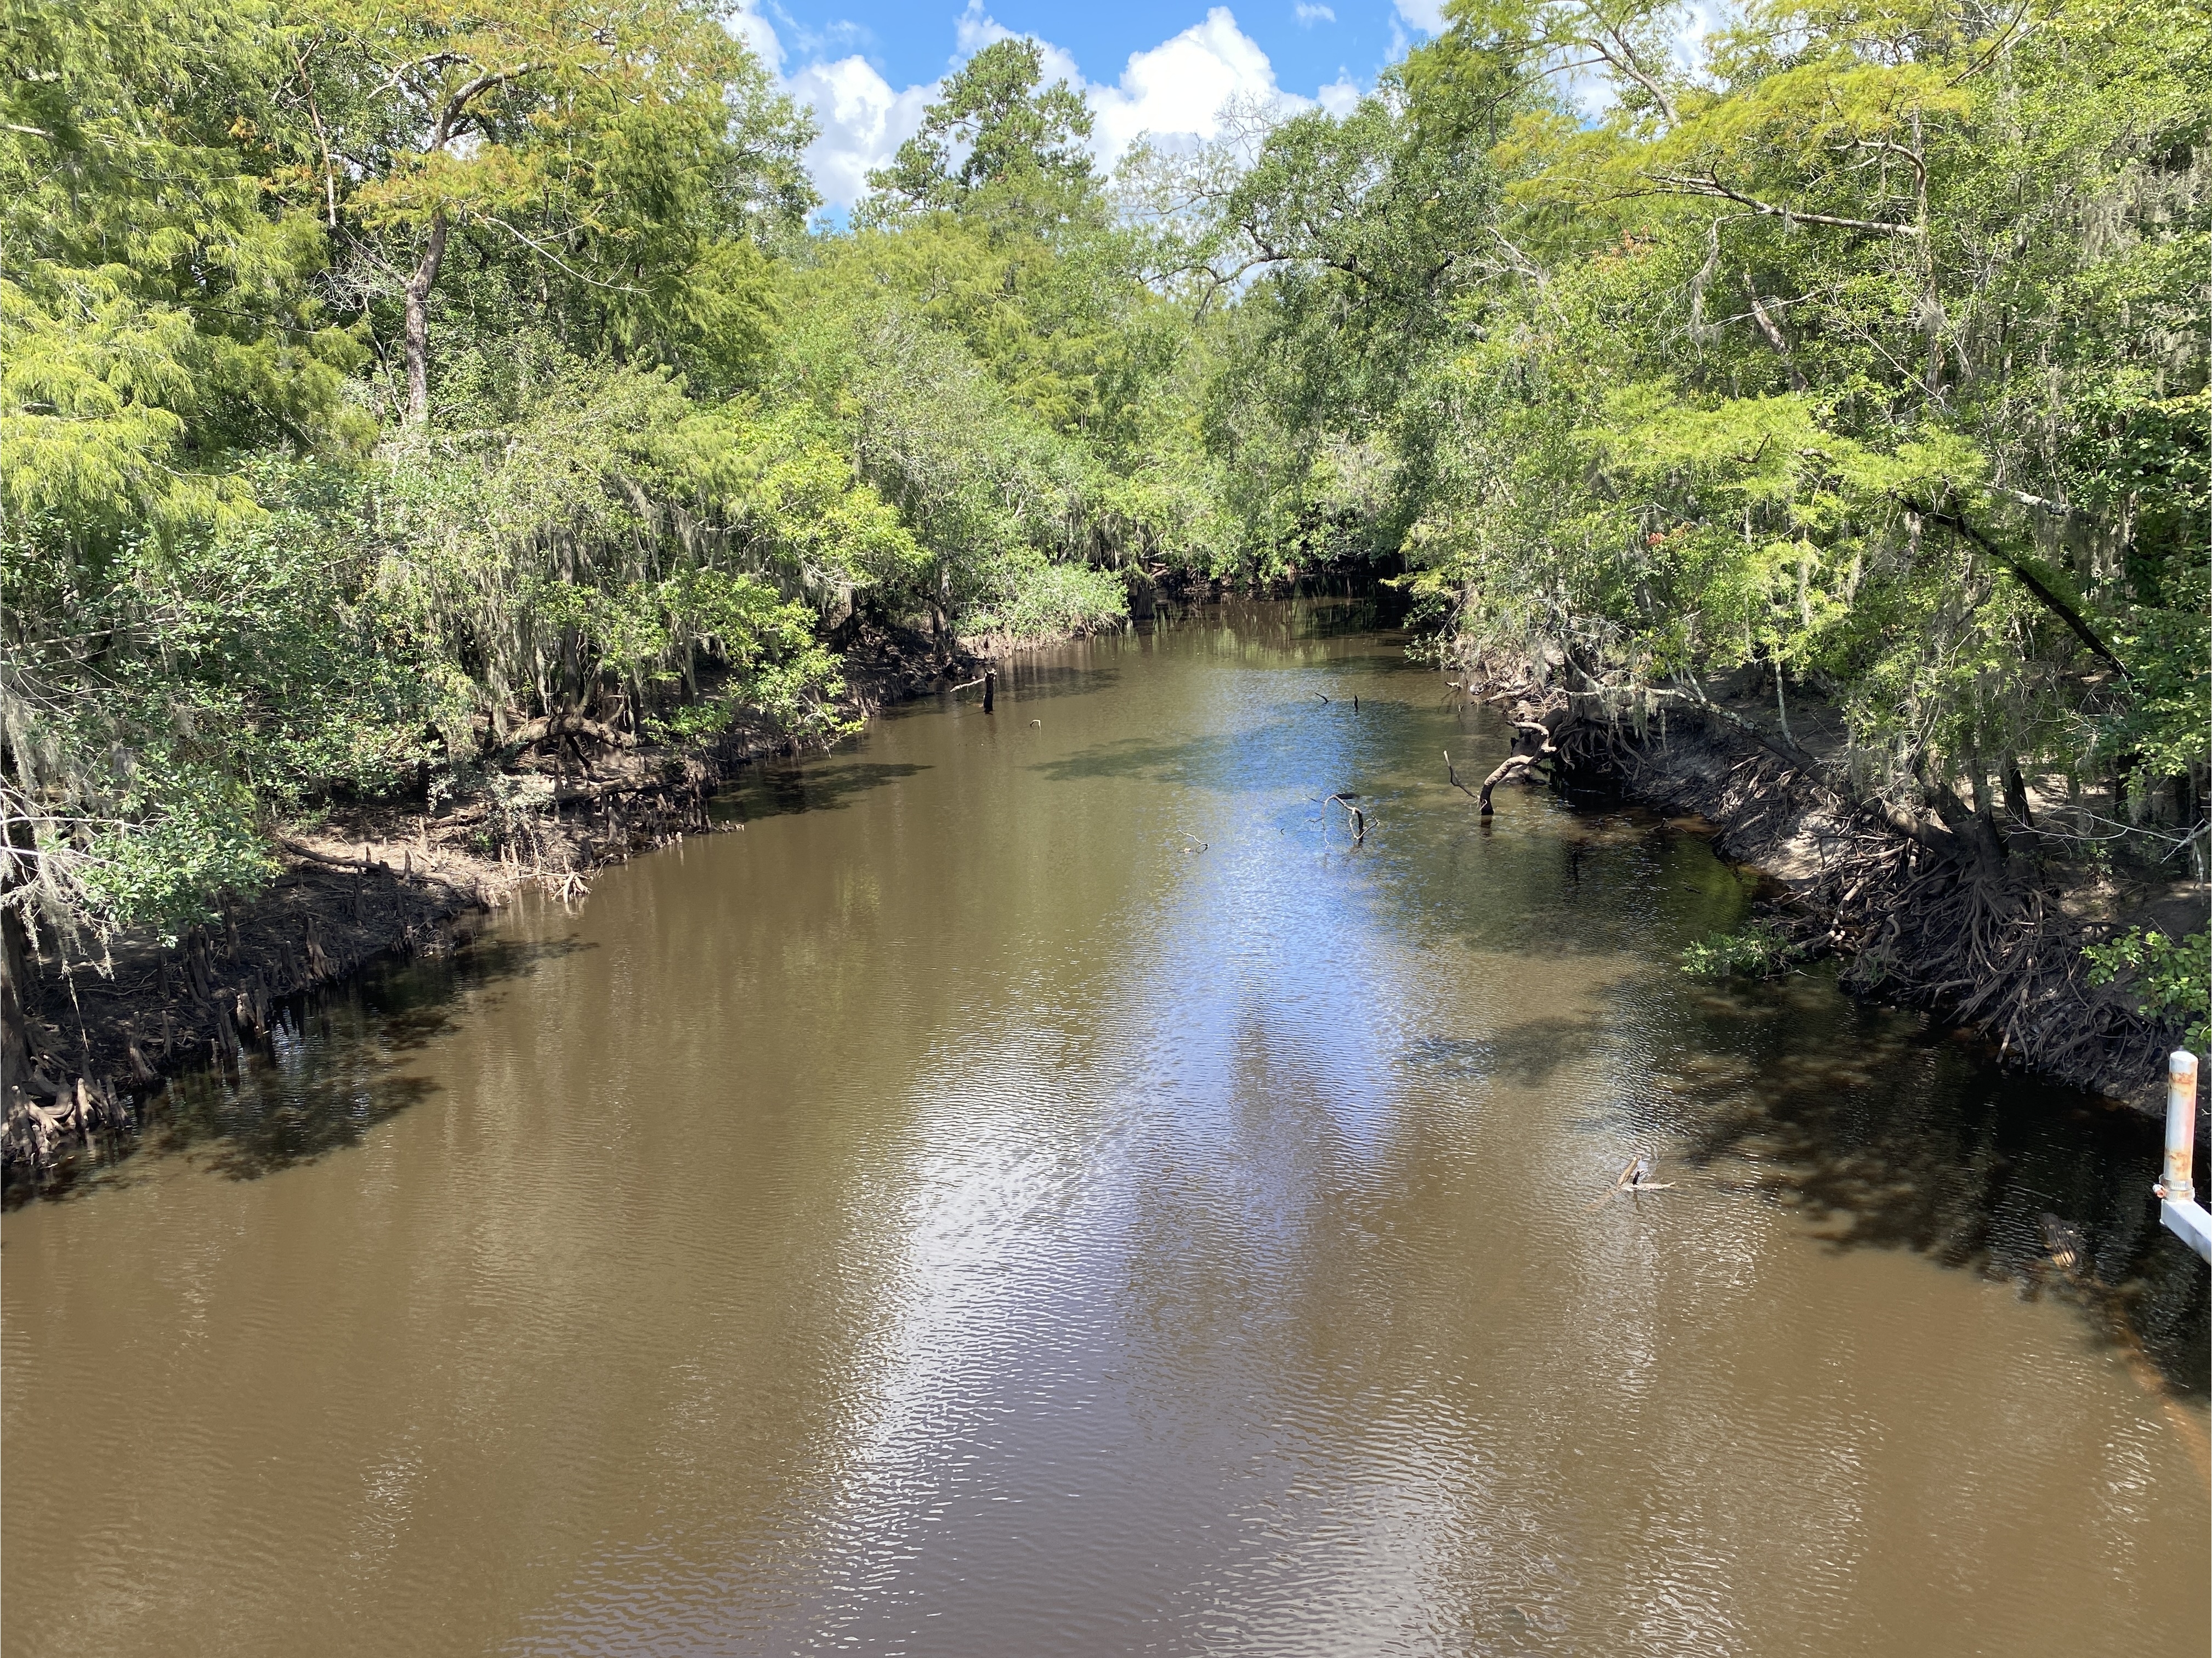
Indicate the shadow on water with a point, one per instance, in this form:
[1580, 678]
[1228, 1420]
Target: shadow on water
[1216, 763]
[1316, 613]
[330, 1074]
[1022, 680]
[1885, 1130]
[1523, 1055]
[786, 788]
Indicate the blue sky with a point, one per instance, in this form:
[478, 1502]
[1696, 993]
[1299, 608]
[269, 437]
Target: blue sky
[868, 67]
[910, 44]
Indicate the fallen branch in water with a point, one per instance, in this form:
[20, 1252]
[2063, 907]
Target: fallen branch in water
[1635, 1178]
[1513, 766]
[1345, 798]
[1451, 775]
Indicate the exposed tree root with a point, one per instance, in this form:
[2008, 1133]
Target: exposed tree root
[1933, 910]
[88, 1042]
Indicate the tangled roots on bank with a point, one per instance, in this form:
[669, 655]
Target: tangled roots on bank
[1934, 911]
[88, 1048]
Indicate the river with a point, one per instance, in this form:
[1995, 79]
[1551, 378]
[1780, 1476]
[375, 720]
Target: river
[1041, 1187]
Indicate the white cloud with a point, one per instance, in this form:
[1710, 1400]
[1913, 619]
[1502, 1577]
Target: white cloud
[757, 31]
[1181, 85]
[976, 29]
[863, 123]
[1178, 89]
[1340, 96]
[1426, 15]
[1704, 17]
[1308, 15]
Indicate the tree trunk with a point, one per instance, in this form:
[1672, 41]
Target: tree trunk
[2015, 791]
[416, 344]
[14, 1013]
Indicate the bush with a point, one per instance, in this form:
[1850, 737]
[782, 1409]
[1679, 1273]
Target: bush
[1761, 951]
[2174, 976]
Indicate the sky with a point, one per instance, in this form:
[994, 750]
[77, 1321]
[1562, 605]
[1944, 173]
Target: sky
[868, 67]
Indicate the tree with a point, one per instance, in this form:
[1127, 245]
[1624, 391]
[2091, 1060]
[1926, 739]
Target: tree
[1626, 41]
[1363, 235]
[156, 311]
[995, 145]
[1863, 363]
[620, 148]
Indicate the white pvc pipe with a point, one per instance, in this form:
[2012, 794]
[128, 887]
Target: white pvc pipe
[2183, 1215]
[2180, 1124]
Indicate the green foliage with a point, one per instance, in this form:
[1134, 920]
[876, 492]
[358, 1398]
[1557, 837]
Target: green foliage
[2173, 975]
[1761, 951]
[1871, 354]
[233, 589]
[236, 673]
[994, 147]
[609, 169]
[379, 380]
[184, 833]
[156, 316]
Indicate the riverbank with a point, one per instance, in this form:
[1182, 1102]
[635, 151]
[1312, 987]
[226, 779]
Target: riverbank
[1949, 909]
[364, 882]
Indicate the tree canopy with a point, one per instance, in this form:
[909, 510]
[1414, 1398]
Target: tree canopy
[379, 381]
[994, 145]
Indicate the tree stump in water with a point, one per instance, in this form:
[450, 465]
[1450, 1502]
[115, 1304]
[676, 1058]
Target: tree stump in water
[990, 685]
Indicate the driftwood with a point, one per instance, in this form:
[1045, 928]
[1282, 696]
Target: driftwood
[1512, 766]
[1532, 743]
[1635, 1178]
[1358, 818]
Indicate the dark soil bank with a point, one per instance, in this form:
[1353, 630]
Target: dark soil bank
[88, 1042]
[1939, 909]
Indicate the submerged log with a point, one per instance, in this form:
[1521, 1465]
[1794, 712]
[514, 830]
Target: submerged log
[1512, 766]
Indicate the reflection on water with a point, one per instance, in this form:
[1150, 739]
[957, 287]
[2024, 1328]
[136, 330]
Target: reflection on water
[333, 1070]
[1045, 1188]
[1885, 1134]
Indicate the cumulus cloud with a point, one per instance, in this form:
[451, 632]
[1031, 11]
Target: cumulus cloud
[1308, 15]
[1340, 96]
[862, 121]
[1178, 90]
[757, 31]
[1183, 85]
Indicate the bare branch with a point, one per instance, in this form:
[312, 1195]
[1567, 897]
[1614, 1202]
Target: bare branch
[2020, 573]
[457, 107]
[1681, 185]
[1626, 62]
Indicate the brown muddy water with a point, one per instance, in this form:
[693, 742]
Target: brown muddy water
[1041, 1189]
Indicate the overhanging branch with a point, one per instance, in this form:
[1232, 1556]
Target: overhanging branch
[2076, 623]
[1683, 184]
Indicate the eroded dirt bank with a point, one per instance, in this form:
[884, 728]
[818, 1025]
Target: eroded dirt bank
[1945, 908]
[88, 1043]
